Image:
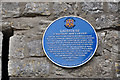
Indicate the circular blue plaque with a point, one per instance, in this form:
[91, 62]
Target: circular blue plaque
[70, 41]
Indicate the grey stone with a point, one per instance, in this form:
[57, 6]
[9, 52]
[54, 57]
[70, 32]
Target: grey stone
[99, 50]
[63, 9]
[60, 72]
[105, 21]
[98, 67]
[111, 41]
[118, 57]
[118, 7]
[29, 67]
[33, 9]
[0, 17]
[119, 42]
[10, 9]
[34, 42]
[113, 7]
[6, 25]
[107, 44]
[115, 48]
[17, 47]
[101, 37]
[0, 26]
[30, 44]
[26, 23]
[92, 7]
[35, 48]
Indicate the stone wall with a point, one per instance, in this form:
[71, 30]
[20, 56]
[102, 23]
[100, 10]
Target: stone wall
[28, 20]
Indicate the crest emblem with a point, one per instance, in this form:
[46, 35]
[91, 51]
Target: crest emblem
[69, 23]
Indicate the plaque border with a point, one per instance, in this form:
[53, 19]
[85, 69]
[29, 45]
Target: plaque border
[70, 66]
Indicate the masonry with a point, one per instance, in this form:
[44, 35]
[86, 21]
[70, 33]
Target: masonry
[25, 22]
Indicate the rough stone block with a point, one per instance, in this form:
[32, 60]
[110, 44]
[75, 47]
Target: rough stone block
[34, 9]
[25, 23]
[111, 41]
[63, 9]
[113, 7]
[107, 40]
[98, 67]
[0, 10]
[26, 44]
[17, 47]
[106, 21]
[92, 7]
[101, 37]
[29, 67]
[10, 9]
[35, 48]
[6, 25]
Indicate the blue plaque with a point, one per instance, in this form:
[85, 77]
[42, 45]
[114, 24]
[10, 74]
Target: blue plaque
[70, 41]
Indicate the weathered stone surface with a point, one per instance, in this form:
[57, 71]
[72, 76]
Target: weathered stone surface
[26, 23]
[106, 21]
[10, 9]
[111, 41]
[6, 25]
[98, 67]
[33, 9]
[63, 9]
[119, 43]
[0, 26]
[101, 37]
[35, 48]
[30, 44]
[92, 7]
[113, 7]
[30, 67]
[107, 39]
[17, 47]
[101, 21]
[0, 17]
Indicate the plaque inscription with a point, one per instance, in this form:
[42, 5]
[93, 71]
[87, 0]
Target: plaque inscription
[70, 41]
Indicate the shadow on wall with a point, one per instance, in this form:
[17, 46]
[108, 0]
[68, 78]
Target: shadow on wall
[5, 52]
